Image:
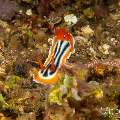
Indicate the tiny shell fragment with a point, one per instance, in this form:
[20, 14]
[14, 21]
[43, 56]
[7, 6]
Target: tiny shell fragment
[87, 31]
[29, 12]
[104, 49]
[70, 19]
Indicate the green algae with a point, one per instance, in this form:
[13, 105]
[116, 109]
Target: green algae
[12, 81]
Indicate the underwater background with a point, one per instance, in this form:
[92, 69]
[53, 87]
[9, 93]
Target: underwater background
[88, 87]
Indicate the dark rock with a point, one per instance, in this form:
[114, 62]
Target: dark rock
[43, 8]
[7, 9]
[21, 69]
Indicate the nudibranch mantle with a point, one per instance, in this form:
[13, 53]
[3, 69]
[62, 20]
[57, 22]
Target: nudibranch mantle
[60, 50]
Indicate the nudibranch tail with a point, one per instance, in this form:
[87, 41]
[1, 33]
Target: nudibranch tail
[45, 80]
[61, 49]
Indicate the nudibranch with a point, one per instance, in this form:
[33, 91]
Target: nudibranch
[60, 50]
